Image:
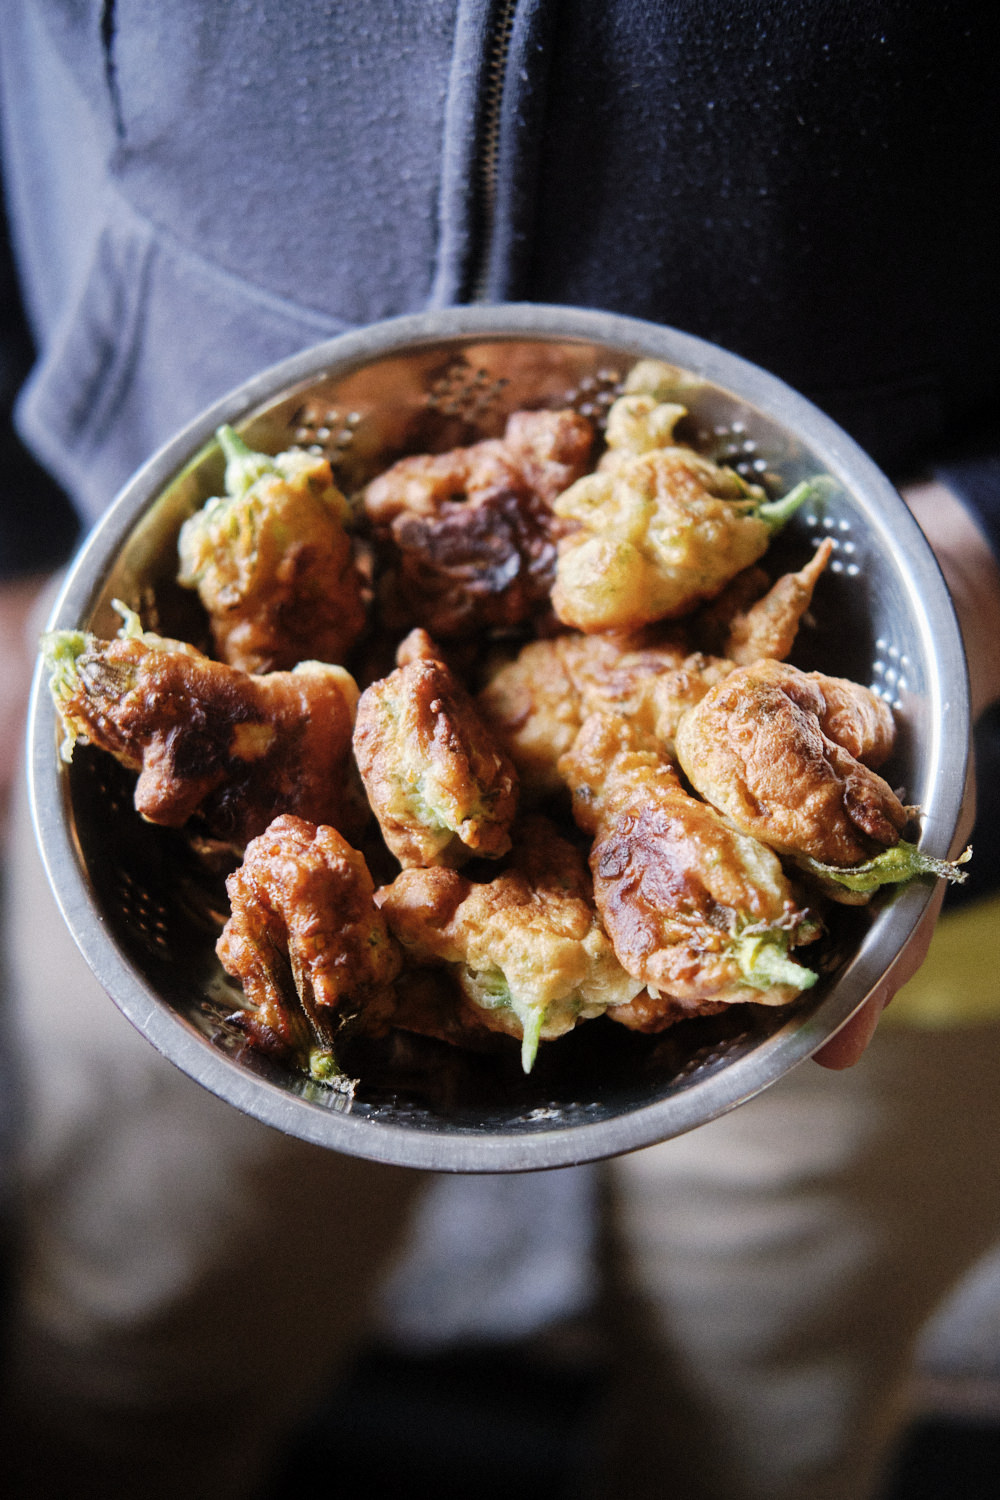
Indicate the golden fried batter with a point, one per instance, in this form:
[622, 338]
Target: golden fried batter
[272, 562]
[769, 626]
[856, 718]
[638, 423]
[207, 738]
[657, 535]
[529, 950]
[658, 526]
[438, 783]
[783, 754]
[542, 450]
[469, 536]
[550, 448]
[665, 382]
[618, 672]
[533, 708]
[537, 702]
[677, 691]
[306, 940]
[700, 913]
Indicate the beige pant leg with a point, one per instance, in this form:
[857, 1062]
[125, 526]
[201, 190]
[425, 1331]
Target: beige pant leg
[780, 1262]
[188, 1275]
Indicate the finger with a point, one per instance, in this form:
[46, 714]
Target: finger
[845, 1048]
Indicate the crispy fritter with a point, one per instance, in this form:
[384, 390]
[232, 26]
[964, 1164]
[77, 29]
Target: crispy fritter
[272, 561]
[469, 537]
[472, 566]
[701, 914]
[537, 702]
[438, 782]
[648, 410]
[666, 382]
[533, 708]
[753, 617]
[677, 691]
[638, 423]
[855, 718]
[655, 537]
[659, 527]
[542, 450]
[550, 448]
[768, 627]
[786, 755]
[207, 738]
[619, 673]
[307, 941]
[430, 1002]
[529, 950]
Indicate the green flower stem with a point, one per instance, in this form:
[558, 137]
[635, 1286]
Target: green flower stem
[763, 960]
[243, 466]
[892, 867]
[777, 512]
[532, 1022]
[323, 1065]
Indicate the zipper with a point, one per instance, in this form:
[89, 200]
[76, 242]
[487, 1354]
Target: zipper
[489, 150]
[109, 26]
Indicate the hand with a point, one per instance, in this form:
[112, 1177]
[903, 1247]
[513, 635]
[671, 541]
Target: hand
[845, 1049]
[974, 582]
[850, 1042]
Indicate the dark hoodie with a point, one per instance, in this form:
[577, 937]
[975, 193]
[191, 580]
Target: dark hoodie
[197, 190]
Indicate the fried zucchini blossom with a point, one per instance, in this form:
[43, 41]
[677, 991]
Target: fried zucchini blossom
[788, 757]
[658, 527]
[468, 538]
[207, 739]
[701, 914]
[307, 942]
[438, 782]
[272, 561]
[526, 947]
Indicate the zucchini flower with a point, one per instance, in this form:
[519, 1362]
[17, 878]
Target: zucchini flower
[527, 947]
[659, 527]
[272, 561]
[308, 944]
[206, 738]
[702, 914]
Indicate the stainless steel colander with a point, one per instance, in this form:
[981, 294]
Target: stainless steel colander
[145, 911]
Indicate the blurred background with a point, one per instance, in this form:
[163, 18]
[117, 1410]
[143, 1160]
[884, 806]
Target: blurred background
[489, 1369]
